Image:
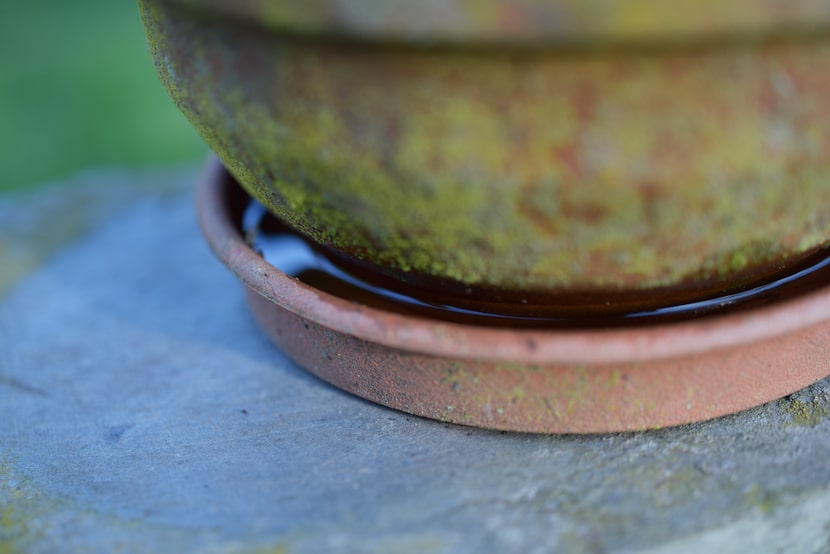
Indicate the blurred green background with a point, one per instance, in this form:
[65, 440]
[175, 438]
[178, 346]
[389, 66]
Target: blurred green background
[78, 89]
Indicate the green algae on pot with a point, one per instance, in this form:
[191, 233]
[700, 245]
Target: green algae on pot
[536, 170]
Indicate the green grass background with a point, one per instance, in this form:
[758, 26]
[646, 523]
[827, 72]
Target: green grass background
[78, 89]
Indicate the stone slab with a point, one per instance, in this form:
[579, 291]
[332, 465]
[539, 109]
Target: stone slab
[141, 410]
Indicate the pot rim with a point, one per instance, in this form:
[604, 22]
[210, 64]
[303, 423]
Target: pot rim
[528, 22]
[529, 346]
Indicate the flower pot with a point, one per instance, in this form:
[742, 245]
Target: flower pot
[522, 156]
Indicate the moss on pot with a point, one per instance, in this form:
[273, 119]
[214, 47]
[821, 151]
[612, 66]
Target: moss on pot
[526, 170]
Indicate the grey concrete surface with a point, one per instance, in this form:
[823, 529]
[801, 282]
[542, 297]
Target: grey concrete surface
[141, 410]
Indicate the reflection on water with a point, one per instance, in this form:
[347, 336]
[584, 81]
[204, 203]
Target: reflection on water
[294, 255]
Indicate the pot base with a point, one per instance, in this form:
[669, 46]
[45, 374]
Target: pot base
[537, 380]
[333, 273]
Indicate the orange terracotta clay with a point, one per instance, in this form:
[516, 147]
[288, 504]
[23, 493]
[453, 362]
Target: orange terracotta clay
[550, 381]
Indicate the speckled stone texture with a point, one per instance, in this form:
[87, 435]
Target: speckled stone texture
[141, 410]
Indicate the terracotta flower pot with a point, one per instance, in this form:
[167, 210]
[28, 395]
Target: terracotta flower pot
[567, 156]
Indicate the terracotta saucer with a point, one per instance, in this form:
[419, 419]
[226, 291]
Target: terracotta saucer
[549, 381]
